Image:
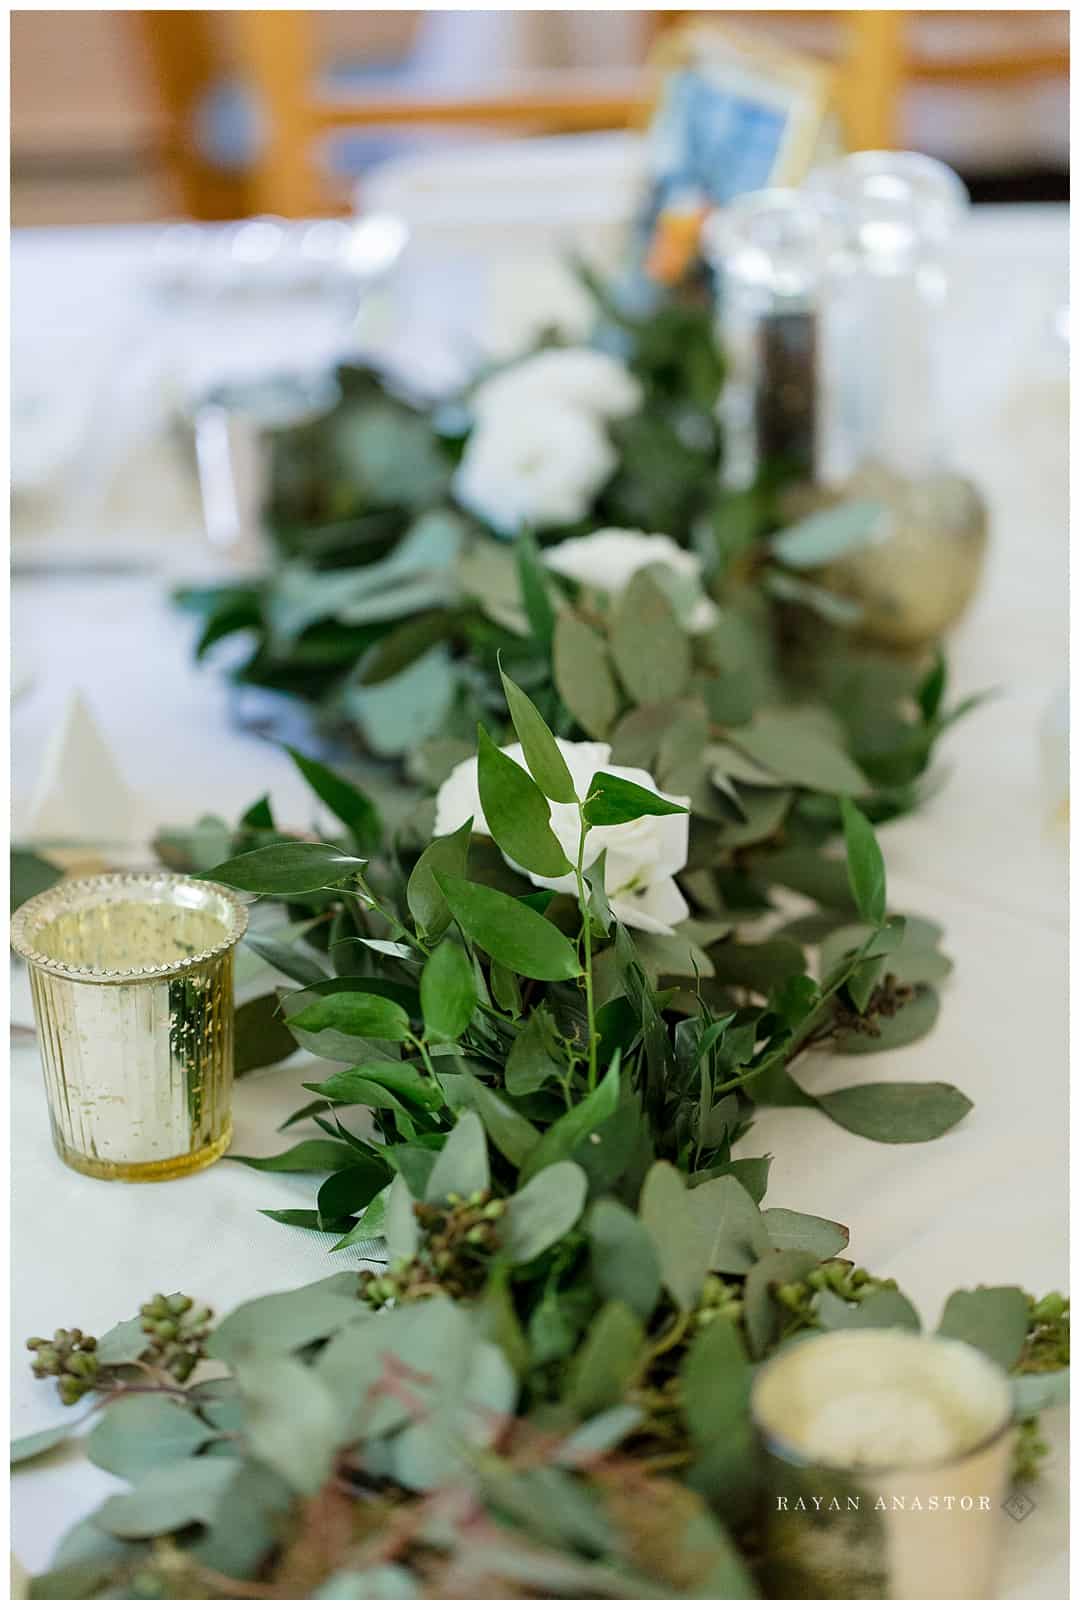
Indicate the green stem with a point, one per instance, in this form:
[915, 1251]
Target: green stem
[586, 929]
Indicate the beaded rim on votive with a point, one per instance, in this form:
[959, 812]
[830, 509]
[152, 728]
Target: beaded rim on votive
[71, 893]
[778, 1444]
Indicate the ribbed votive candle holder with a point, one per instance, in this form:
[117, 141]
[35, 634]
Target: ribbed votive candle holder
[132, 982]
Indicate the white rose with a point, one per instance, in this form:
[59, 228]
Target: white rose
[607, 559]
[642, 856]
[578, 377]
[541, 469]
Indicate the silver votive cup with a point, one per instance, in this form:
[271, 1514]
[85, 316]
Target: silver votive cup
[132, 982]
[922, 1526]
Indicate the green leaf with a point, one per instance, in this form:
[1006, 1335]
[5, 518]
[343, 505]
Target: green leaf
[286, 869]
[542, 1212]
[796, 751]
[168, 1498]
[931, 690]
[611, 800]
[518, 816]
[260, 1036]
[509, 931]
[715, 1380]
[623, 1258]
[510, 1133]
[348, 804]
[803, 1232]
[425, 899]
[124, 1343]
[23, 1449]
[650, 649]
[306, 1157]
[1039, 1390]
[542, 754]
[139, 1433]
[882, 1310]
[259, 815]
[31, 874]
[400, 1227]
[462, 1166]
[865, 864]
[897, 1114]
[447, 992]
[534, 588]
[350, 1189]
[724, 1208]
[292, 1421]
[285, 1321]
[909, 1023]
[761, 1316]
[368, 1017]
[583, 676]
[605, 1365]
[683, 1240]
[827, 535]
[532, 1061]
[574, 1125]
[404, 645]
[299, 965]
[400, 1078]
[992, 1318]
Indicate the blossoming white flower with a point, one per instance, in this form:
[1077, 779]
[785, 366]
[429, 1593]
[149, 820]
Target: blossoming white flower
[576, 377]
[642, 856]
[607, 559]
[540, 469]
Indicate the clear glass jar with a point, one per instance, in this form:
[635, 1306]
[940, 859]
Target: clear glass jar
[769, 250]
[887, 439]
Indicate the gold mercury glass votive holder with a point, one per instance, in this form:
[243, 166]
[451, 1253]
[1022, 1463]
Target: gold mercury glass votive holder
[885, 1465]
[132, 981]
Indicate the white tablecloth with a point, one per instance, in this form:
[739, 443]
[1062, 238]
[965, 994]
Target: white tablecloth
[986, 858]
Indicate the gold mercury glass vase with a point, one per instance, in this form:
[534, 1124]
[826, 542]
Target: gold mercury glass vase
[132, 981]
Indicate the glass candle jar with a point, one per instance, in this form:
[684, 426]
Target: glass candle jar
[769, 250]
[884, 304]
[132, 982]
[885, 1465]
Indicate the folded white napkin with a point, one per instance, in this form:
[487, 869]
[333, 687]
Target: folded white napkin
[81, 795]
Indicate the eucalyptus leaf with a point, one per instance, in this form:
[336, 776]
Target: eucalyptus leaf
[509, 1132]
[291, 1421]
[545, 1209]
[830, 534]
[462, 1166]
[650, 648]
[137, 1434]
[803, 1232]
[910, 1022]
[608, 1360]
[882, 1310]
[898, 1114]
[992, 1318]
[582, 671]
[795, 751]
[682, 1238]
[168, 1498]
[761, 1316]
[32, 1446]
[400, 1227]
[623, 1259]
[285, 1321]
